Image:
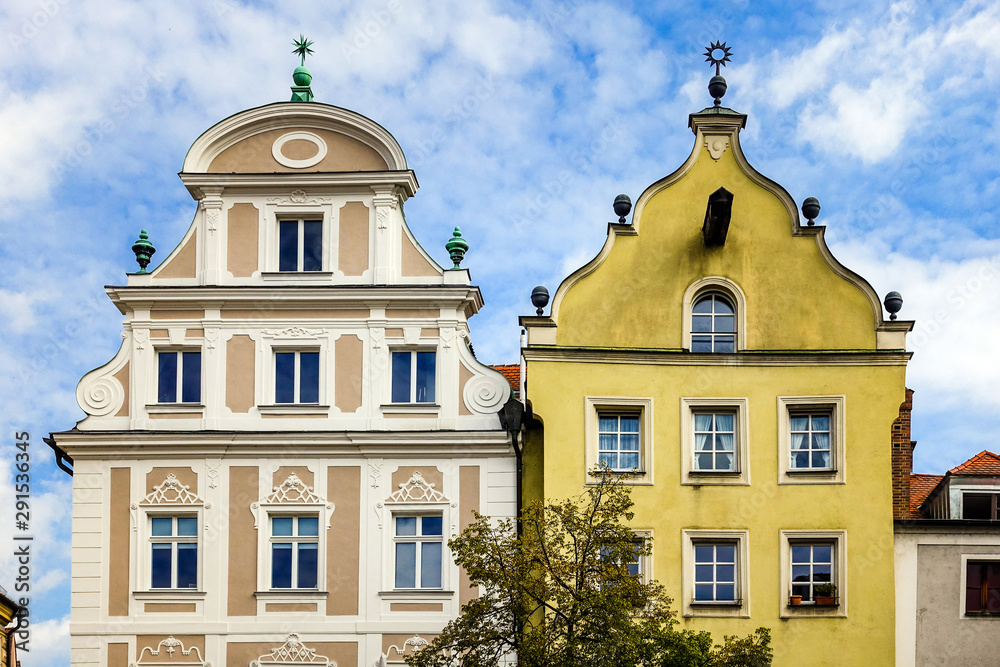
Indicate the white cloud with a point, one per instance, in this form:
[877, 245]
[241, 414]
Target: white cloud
[49, 643]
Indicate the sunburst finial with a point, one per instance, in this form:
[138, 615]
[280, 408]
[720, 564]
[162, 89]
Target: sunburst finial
[302, 48]
[718, 62]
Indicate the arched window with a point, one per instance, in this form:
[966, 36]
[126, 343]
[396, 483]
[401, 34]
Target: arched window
[713, 324]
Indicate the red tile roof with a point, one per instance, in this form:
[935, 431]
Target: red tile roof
[983, 463]
[921, 487]
[512, 372]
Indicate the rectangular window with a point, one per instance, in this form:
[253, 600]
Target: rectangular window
[413, 377]
[618, 441]
[294, 551]
[715, 572]
[982, 588]
[715, 442]
[296, 377]
[174, 552]
[715, 567]
[812, 566]
[300, 245]
[810, 444]
[984, 506]
[178, 377]
[418, 544]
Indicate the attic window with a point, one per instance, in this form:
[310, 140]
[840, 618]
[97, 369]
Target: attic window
[717, 216]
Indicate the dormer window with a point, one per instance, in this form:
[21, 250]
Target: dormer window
[713, 324]
[300, 245]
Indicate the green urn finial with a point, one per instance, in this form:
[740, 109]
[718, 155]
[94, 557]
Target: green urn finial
[456, 247]
[143, 250]
[302, 77]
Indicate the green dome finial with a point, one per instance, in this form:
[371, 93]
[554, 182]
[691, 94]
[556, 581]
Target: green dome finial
[456, 247]
[302, 77]
[143, 250]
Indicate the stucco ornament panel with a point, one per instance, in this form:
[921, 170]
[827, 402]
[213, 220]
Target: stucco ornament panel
[716, 144]
[171, 492]
[293, 491]
[413, 644]
[175, 653]
[292, 652]
[417, 490]
[309, 137]
[293, 332]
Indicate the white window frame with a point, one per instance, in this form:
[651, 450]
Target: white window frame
[726, 287]
[593, 406]
[144, 568]
[963, 580]
[387, 524]
[690, 608]
[417, 539]
[412, 351]
[297, 374]
[293, 339]
[839, 540]
[174, 349]
[836, 405]
[301, 218]
[272, 505]
[293, 513]
[695, 404]
[284, 208]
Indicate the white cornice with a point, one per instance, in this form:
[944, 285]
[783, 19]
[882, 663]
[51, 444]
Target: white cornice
[294, 296]
[124, 445]
[679, 358]
[330, 182]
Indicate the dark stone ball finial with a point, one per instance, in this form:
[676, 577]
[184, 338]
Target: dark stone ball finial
[893, 302]
[539, 299]
[717, 87]
[810, 209]
[622, 207]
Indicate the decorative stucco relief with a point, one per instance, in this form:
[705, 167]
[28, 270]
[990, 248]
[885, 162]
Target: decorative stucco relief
[292, 491]
[292, 652]
[417, 490]
[170, 646]
[485, 394]
[716, 144]
[171, 492]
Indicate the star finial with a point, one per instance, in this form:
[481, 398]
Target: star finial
[710, 55]
[302, 48]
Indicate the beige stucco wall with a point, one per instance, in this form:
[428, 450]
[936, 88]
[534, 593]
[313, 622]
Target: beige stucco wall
[945, 636]
[253, 155]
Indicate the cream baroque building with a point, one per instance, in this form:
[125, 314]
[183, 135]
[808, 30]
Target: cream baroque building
[295, 424]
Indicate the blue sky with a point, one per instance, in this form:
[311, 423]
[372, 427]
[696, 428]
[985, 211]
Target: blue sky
[522, 121]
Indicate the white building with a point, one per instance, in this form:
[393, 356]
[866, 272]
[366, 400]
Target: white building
[271, 466]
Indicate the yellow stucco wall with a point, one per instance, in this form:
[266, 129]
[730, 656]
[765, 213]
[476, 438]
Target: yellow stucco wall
[795, 302]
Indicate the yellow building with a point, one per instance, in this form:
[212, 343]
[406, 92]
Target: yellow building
[718, 357]
[8, 611]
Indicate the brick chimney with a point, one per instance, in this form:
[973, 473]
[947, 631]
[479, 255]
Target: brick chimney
[902, 459]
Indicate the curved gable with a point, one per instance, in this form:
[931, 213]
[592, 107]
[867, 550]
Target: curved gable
[797, 295]
[295, 137]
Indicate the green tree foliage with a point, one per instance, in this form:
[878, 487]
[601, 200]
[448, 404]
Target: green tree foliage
[561, 595]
